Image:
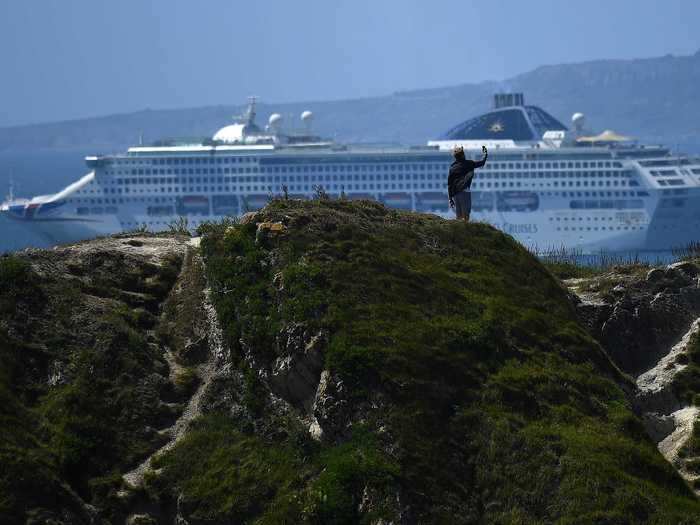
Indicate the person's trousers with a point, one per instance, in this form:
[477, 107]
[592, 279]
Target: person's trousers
[463, 204]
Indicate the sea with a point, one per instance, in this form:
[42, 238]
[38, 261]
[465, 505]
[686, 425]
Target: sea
[36, 172]
[39, 172]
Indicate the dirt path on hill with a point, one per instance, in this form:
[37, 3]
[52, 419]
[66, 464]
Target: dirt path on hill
[205, 372]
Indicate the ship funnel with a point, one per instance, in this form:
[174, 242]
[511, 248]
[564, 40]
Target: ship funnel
[505, 100]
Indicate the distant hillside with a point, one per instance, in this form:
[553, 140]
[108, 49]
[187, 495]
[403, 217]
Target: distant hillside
[653, 99]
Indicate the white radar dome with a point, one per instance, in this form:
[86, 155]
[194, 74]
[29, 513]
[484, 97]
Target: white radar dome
[578, 120]
[307, 116]
[275, 119]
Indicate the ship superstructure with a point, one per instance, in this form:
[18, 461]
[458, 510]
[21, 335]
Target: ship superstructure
[546, 185]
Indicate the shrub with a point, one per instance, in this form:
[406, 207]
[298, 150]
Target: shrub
[186, 381]
[17, 281]
[180, 226]
[226, 476]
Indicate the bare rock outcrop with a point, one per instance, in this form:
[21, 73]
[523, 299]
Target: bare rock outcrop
[330, 408]
[646, 322]
[295, 376]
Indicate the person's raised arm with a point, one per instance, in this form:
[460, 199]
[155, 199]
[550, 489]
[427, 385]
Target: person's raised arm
[480, 163]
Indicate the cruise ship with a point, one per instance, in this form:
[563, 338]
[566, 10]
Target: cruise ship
[545, 184]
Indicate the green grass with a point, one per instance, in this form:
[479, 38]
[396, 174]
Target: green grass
[345, 471]
[28, 477]
[92, 424]
[500, 407]
[471, 392]
[567, 263]
[689, 252]
[570, 270]
[16, 280]
[186, 382]
[224, 475]
[96, 422]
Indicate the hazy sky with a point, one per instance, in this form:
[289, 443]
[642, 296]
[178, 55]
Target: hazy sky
[63, 59]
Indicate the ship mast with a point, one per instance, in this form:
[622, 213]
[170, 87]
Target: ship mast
[11, 194]
[249, 116]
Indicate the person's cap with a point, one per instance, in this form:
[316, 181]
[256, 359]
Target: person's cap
[458, 150]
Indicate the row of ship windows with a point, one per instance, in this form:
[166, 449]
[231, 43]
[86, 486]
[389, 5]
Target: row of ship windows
[672, 173]
[558, 174]
[327, 178]
[375, 170]
[371, 186]
[262, 178]
[664, 162]
[291, 187]
[571, 194]
[580, 219]
[228, 181]
[663, 173]
[671, 182]
[565, 183]
[183, 160]
[608, 228]
[621, 204]
[552, 165]
[596, 228]
[383, 166]
[349, 187]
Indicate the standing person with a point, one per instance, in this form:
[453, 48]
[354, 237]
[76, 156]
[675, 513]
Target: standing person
[460, 180]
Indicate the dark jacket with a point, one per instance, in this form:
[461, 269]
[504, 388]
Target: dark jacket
[461, 175]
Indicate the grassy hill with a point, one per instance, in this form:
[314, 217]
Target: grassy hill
[376, 365]
[469, 392]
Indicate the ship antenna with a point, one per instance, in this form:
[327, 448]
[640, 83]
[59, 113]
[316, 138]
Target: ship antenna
[11, 195]
[250, 113]
[249, 116]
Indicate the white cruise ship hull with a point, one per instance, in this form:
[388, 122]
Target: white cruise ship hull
[541, 230]
[547, 189]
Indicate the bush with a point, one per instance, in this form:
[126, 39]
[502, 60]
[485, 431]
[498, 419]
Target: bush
[180, 226]
[17, 282]
[226, 476]
[186, 381]
[346, 472]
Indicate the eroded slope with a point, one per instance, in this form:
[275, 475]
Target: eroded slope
[648, 321]
[399, 367]
[86, 384]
